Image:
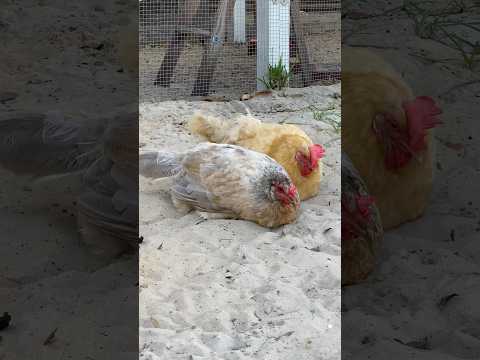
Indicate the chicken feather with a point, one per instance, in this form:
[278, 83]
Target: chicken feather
[285, 143]
[387, 133]
[228, 180]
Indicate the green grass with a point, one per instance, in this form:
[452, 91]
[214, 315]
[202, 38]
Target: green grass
[438, 26]
[277, 76]
[330, 116]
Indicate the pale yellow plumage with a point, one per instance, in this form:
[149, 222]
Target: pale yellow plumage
[279, 141]
[371, 86]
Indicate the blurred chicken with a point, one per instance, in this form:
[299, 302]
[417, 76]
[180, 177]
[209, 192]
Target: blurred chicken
[227, 180]
[40, 145]
[105, 152]
[362, 230]
[385, 133]
[287, 144]
[108, 208]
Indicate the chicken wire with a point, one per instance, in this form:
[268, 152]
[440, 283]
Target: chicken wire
[198, 48]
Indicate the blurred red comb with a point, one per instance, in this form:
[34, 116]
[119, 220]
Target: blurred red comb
[316, 153]
[421, 115]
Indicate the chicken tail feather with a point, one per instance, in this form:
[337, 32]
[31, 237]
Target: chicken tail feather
[153, 164]
[209, 127]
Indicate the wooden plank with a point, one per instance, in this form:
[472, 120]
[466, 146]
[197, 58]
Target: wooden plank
[299, 39]
[210, 55]
[188, 11]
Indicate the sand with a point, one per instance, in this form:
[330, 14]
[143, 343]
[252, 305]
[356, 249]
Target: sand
[48, 278]
[422, 300]
[230, 289]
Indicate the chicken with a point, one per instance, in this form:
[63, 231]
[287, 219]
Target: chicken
[104, 152]
[386, 132]
[108, 207]
[362, 230]
[40, 145]
[287, 144]
[227, 181]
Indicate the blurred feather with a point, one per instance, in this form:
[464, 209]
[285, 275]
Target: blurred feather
[40, 145]
[105, 150]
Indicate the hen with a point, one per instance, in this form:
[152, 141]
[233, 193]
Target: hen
[227, 180]
[385, 131]
[362, 230]
[105, 153]
[287, 144]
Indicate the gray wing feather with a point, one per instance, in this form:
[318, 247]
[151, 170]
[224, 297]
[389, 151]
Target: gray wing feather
[194, 195]
[155, 164]
[44, 145]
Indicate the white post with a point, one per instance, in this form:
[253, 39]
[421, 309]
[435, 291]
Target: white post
[239, 21]
[273, 36]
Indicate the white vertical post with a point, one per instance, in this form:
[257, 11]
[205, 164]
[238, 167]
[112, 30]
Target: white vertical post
[273, 36]
[239, 21]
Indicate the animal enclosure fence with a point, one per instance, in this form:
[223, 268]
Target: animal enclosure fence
[196, 48]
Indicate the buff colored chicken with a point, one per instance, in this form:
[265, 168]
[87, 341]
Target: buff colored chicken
[386, 133]
[227, 181]
[287, 144]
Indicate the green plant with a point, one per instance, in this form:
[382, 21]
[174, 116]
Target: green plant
[277, 76]
[435, 25]
[330, 116]
[426, 23]
[469, 51]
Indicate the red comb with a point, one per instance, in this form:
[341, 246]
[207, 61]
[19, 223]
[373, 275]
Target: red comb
[421, 115]
[316, 153]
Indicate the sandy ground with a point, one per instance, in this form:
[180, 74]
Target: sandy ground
[48, 279]
[230, 289]
[422, 301]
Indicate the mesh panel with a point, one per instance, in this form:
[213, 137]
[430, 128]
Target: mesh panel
[197, 48]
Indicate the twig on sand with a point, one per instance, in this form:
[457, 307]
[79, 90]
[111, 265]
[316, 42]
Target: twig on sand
[458, 86]
[445, 300]
[51, 338]
[356, 15]
[288, 333]
[375, 46]
[428, 59]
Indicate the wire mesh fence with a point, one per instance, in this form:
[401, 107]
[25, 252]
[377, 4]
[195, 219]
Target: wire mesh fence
[197, 48]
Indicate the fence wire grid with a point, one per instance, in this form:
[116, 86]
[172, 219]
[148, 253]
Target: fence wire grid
[198, 48]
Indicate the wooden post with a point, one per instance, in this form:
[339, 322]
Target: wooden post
[239, 22]
[273, 36]
[188, 11]
[209, 59]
